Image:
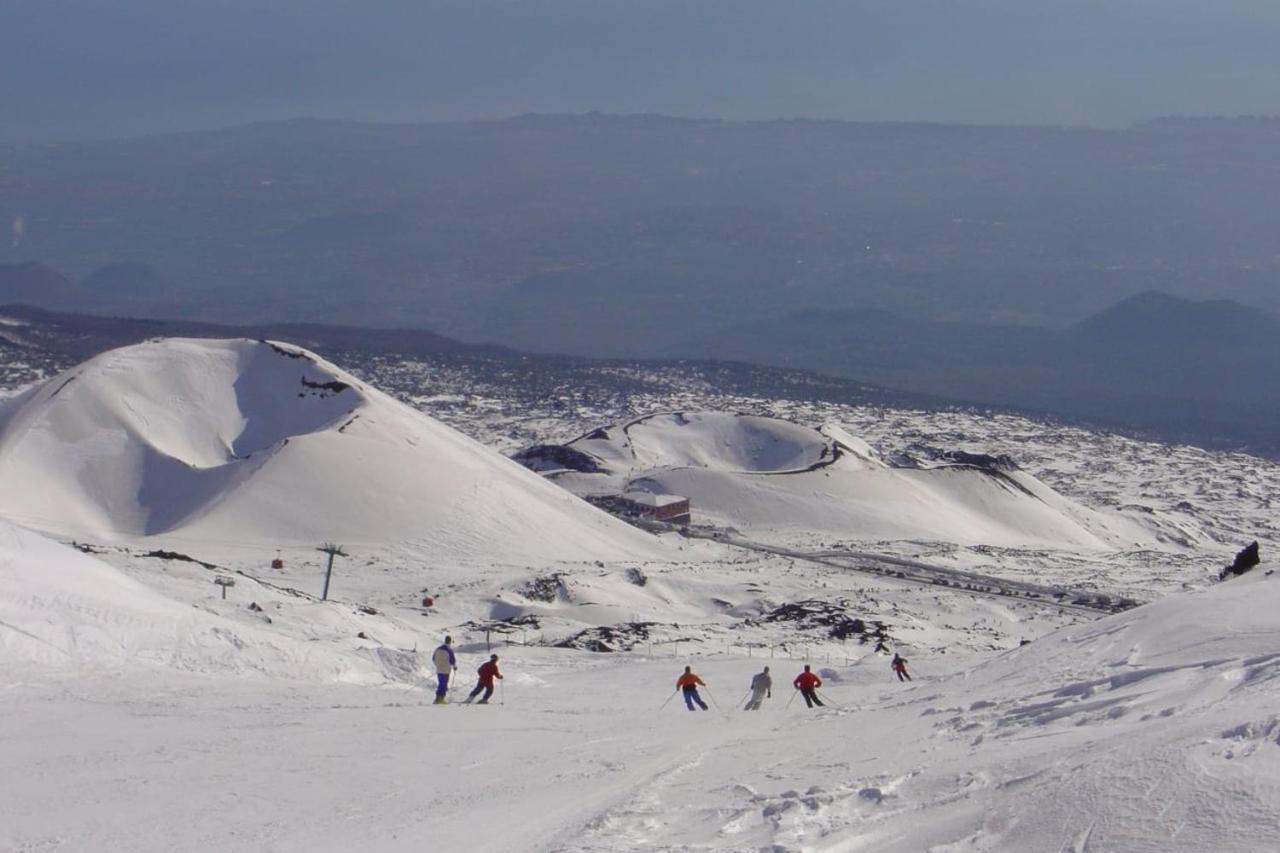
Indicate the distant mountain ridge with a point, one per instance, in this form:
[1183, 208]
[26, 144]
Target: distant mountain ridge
[1203, 372]
[635, 230]
[1153, 315]
[79, 336]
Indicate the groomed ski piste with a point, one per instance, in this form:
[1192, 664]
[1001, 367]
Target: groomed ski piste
[143, 711]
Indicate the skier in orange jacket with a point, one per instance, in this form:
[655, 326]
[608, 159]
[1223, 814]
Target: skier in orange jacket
[688, 683]
[808, 683]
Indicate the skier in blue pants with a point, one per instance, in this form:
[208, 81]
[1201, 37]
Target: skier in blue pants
[446, 665]
[688, 682]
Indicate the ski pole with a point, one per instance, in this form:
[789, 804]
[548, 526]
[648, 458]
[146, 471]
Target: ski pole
[502, 692]
[744, 697]
[712, 698]
[793, 698]
[824, 698]
[669, 698]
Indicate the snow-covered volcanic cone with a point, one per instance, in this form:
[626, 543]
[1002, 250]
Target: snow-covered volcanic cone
[244, 441]
[765, 474]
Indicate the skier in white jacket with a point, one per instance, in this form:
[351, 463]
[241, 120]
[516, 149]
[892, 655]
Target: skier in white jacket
[761, 686]
[446, 665]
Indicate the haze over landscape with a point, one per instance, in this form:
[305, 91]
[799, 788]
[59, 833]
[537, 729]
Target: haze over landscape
[88, 69]
[347, 347]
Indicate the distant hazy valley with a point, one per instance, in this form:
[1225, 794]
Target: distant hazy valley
[1061, 271]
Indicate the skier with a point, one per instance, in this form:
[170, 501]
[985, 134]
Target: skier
[446, 665]
[899, 665]
[808, 683]
[688, 682]
[761, 686]
[488, 671]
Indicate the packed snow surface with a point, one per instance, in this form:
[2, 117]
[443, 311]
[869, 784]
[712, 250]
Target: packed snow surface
[242, 441]
[1152, 730]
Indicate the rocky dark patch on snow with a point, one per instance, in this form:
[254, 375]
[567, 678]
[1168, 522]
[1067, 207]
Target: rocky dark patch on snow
[287, 353]
[505, 628]
[917, 452]
[984, 461]
[88, 549]
[1000, 466]
[832, 616]
[174, 555]
[606, 638]
[1104, 602]
[551, 457]
[1245, 560]
[526, 620]
[637, 577]
[333, 387]
[547, 588]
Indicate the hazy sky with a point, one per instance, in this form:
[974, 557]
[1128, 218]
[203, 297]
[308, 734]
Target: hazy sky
[112, 67]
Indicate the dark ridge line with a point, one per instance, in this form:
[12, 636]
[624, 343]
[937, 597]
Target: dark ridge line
[286, 353]
[58, 391]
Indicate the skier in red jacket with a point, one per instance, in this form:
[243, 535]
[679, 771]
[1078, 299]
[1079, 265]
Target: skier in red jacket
[808, 683]
[488, 671]
[899, 664]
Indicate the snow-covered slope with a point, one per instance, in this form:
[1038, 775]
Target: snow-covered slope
[62, 611]
[766, 474]
[1153, 730]
[1166, 722]
[243, 441]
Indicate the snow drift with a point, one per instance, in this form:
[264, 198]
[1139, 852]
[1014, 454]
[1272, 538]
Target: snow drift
[1154, 729]
[765, 474]
[243, 441]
